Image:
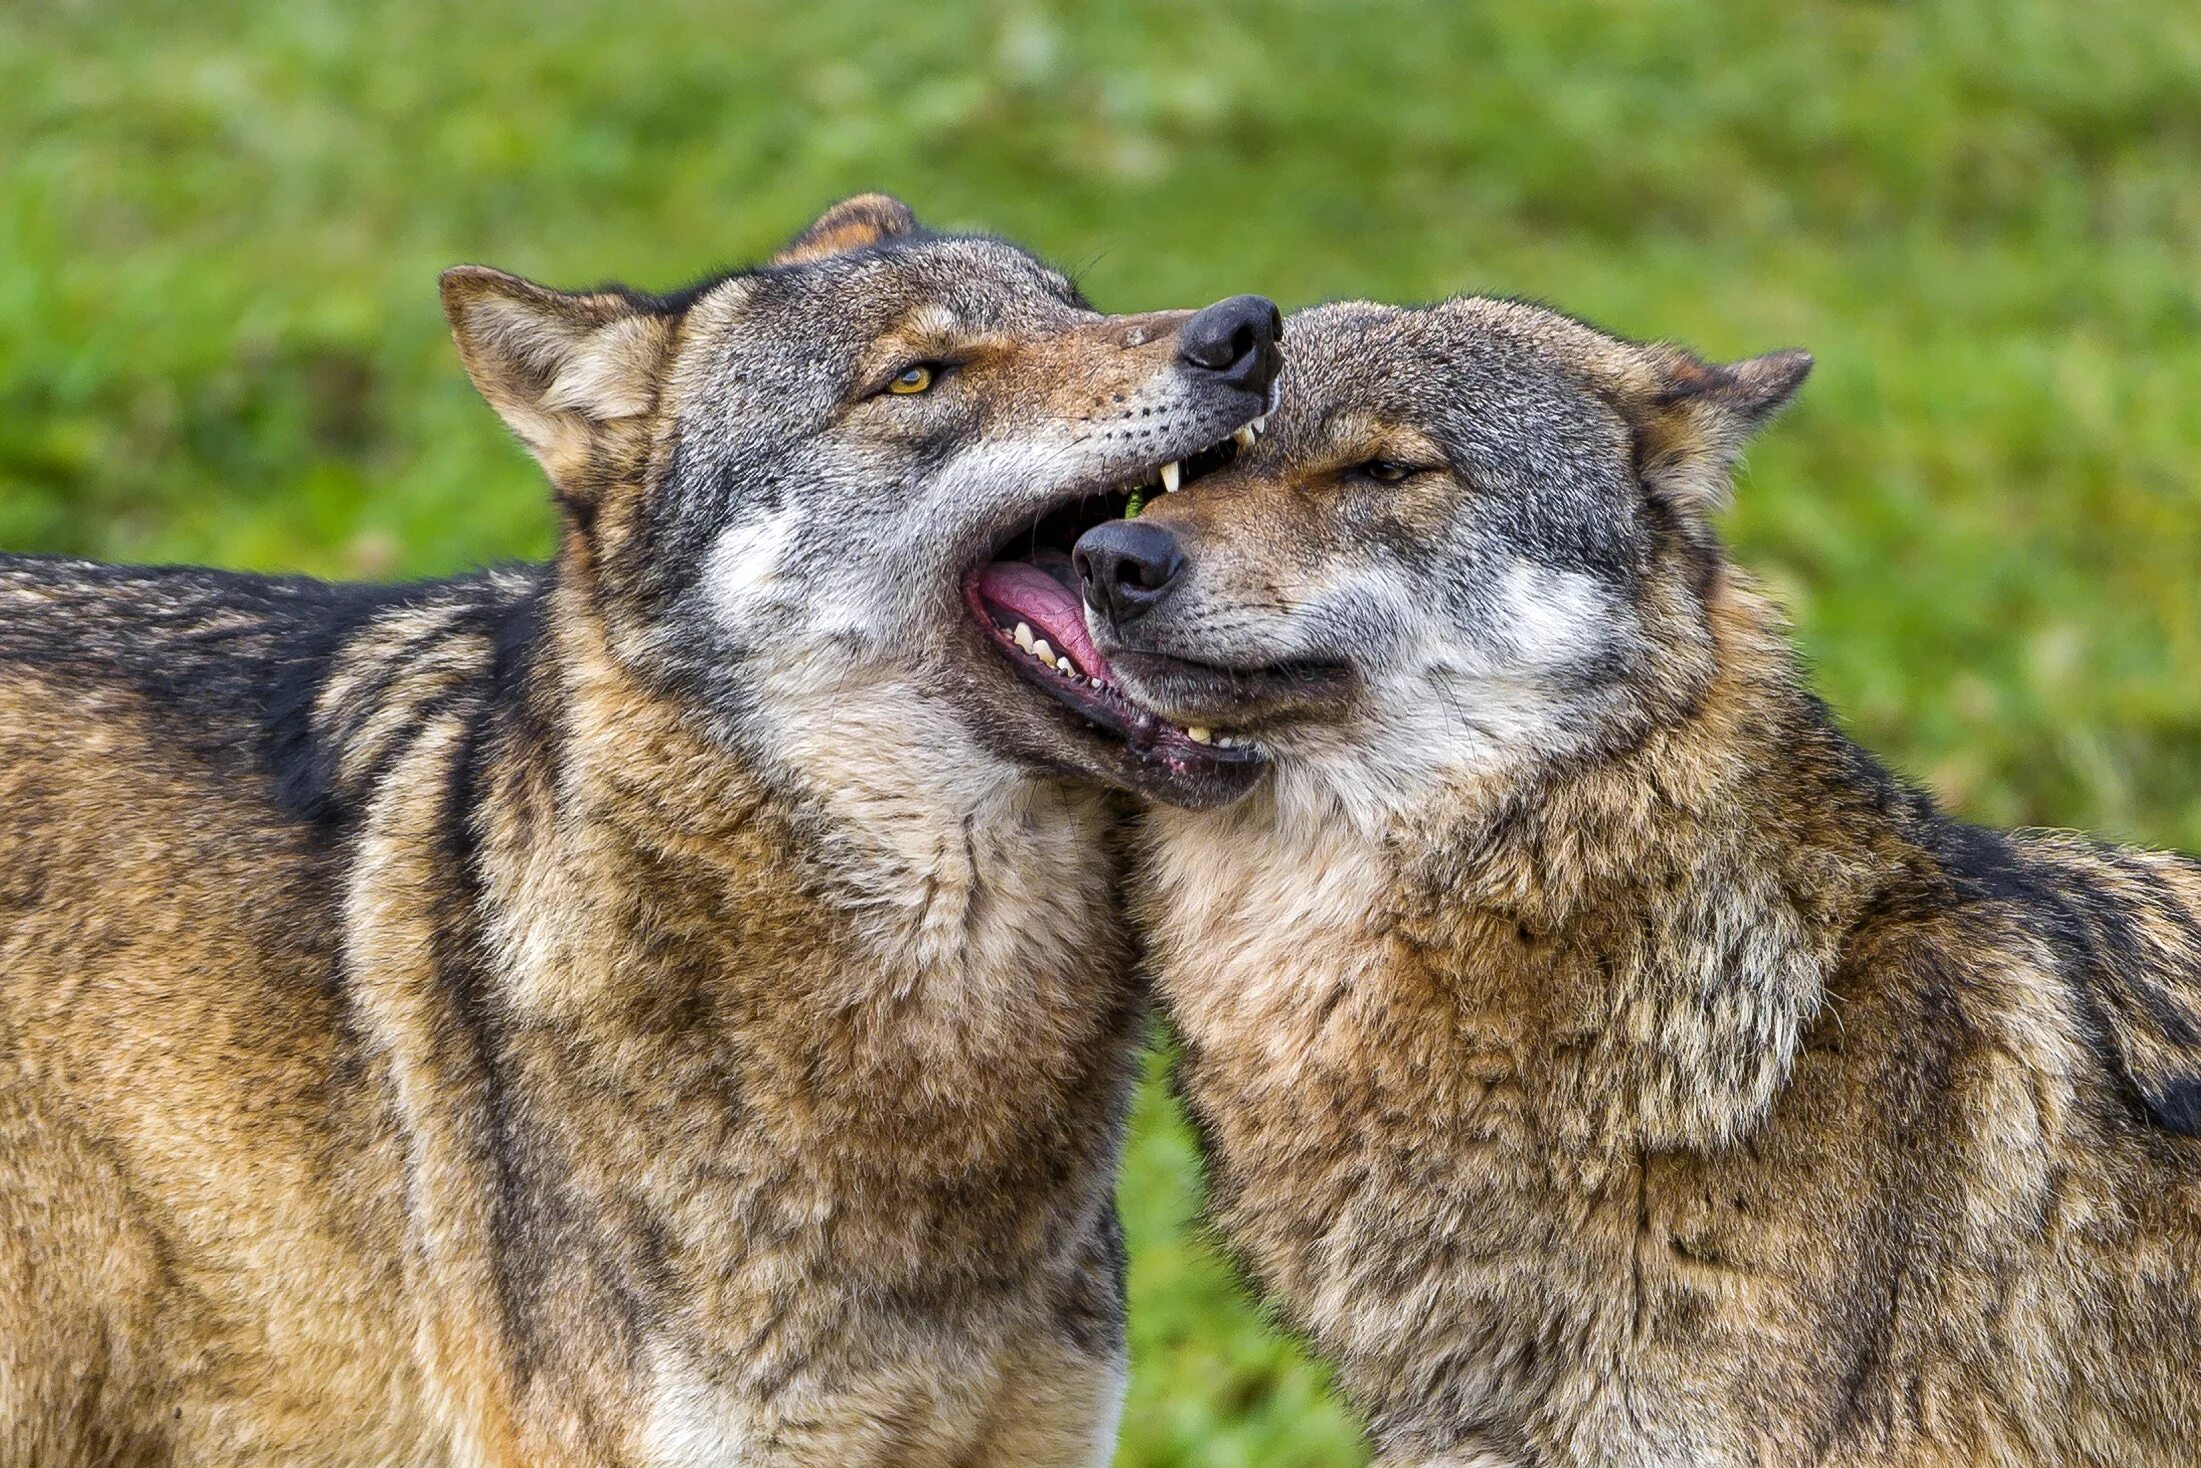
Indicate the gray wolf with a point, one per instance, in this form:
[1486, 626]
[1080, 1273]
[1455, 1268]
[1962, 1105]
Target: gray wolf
[1600, 1057]
[666, 1006]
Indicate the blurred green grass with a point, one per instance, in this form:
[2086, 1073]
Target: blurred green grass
[220, 226]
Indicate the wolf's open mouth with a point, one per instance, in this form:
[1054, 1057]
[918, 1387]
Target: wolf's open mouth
[1027, 597]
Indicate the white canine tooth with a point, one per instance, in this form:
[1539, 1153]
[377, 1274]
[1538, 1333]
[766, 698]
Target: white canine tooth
[1064, 664]
[1200, 736]
[1039, 649]
[1244, 436]
[1225, 741]
[1024, 635]
[1172, 476]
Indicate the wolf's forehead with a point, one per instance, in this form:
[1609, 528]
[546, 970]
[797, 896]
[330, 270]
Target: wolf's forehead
[1356, 375]
[1461, 364]
[967, 281]
[1345, 365]
[927, 287]
[984, 283]
[1403, 350]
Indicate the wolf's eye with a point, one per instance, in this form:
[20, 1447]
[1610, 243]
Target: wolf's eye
[915, 378]
[1387, 471]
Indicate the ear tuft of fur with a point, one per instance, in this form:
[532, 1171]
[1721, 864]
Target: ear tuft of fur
[852, 224]
[1699, 416]
[558, 366]
[1756, 388]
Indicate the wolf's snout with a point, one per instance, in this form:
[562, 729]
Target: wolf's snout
[1240, 339]
[1126, 566]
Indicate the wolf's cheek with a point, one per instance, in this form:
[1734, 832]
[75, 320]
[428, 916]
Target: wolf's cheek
[1557, 621]
[743, 576]
[1466, 673]
[791, 582]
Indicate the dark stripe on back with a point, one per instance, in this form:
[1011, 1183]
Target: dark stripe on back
[227, 666]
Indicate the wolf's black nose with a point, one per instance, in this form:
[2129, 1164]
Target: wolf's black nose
[1239, 338]
[1126, 566]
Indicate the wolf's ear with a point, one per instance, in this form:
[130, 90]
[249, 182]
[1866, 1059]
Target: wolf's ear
[1694, 419]
[851, 224]
[562, 369]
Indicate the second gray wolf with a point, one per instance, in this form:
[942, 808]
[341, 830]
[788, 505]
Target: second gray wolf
[1601, 1058]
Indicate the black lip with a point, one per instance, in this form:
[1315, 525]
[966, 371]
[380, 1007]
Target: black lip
[1240, 697]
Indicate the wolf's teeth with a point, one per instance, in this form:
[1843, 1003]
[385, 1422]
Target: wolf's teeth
[1200, 736]
[1064, 665]
[1094, 681]
[1244, 436]
[1261, 424]
[1039, 649]
[1225, 741]
[1172, 475]
[1024, 635]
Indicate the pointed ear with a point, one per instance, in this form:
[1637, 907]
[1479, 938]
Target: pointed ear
[562, 369]
[1693, 422]
[851, 224]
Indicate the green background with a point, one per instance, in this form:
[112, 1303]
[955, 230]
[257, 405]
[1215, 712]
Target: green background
[220, 228]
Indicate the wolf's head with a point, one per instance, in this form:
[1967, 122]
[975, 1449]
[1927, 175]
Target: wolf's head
[1475, 539]
[817, 499]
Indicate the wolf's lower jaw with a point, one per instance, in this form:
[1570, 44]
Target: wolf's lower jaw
[1031, 607]
[1009, 596]
[1087, 688]
[1064, 665]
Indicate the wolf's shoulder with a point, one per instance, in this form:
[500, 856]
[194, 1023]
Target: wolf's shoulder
[2124, 926]
[236, 669]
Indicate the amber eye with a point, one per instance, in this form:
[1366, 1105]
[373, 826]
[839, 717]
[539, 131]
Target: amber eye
[1386, 471]
[915, 378]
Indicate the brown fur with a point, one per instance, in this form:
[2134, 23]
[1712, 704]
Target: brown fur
[1694, 1095]
[433, 1032]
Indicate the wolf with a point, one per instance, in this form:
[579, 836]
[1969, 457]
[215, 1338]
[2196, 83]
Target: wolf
[1598, 1056]
[665, 1006]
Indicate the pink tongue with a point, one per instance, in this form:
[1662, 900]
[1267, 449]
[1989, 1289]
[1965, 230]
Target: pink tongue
[1029, 594]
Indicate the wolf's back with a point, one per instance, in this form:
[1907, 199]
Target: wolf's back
[2125, 925]
[185, 1102]
[251, 683]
